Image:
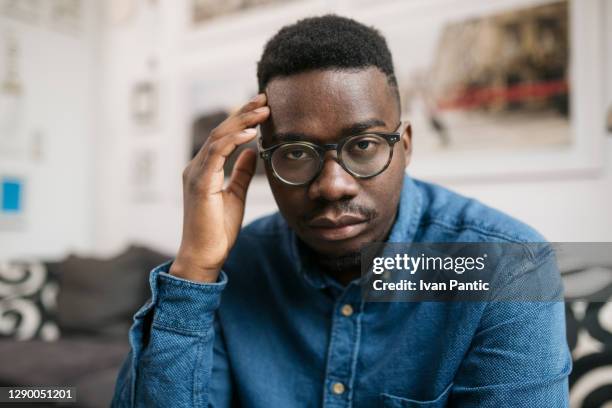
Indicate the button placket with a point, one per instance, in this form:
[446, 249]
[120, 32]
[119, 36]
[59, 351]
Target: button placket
[342, 351]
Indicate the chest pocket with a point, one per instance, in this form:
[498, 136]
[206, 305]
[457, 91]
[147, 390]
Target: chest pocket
[391, 401]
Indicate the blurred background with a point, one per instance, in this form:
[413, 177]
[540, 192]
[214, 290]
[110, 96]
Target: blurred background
[103, 103]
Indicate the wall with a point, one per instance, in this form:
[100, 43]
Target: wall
[568, 209]
[80, 196]
[565, 207]
[57, 69]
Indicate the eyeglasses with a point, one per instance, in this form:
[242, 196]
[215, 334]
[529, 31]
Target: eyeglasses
[364, 155]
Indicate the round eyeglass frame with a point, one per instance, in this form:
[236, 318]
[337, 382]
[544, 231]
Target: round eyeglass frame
[391, 137]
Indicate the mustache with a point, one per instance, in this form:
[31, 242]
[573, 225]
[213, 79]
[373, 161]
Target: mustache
[341, 207]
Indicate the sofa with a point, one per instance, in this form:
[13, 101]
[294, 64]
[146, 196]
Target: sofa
[65, 323]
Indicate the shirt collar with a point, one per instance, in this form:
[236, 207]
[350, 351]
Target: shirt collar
[403, 230]
[409, 214]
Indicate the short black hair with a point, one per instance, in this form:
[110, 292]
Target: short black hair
[328, 41]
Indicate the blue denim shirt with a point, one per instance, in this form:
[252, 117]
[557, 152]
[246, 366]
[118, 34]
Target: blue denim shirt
[276, 332]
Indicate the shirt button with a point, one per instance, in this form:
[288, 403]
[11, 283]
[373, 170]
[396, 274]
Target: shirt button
[338, 388]
[346, 310]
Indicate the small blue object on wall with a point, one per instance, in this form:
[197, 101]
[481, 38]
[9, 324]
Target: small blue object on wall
[11, 193]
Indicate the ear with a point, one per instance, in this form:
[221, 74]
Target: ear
[406, 140]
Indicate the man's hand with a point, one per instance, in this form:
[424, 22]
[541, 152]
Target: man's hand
[212, 215]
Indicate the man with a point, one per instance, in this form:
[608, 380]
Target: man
[272, 316]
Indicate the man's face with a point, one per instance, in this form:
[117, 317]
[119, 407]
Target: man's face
[336, 213]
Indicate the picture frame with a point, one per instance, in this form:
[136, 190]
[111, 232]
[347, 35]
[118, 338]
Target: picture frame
[583, 157]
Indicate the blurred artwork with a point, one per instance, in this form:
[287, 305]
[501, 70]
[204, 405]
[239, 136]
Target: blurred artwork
[143, 176]
[28, 11]
[10, 82]
[11, 203]
[204, 10]
[63, 15]
[11, 96]
[497, 82]
[66, 15]
[144, 100]
[11, 193]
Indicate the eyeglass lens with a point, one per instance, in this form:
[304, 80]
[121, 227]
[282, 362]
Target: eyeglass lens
[363, 155]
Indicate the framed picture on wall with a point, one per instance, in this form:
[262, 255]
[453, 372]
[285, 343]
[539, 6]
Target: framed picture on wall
[144, 175]
[28, 11]
[497, 90]
[144, 103]
[13, 142]
[12, 202]
[205, 10]
[499, 82]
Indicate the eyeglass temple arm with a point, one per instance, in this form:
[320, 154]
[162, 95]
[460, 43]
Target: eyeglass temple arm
[263, 153]
[400, 126]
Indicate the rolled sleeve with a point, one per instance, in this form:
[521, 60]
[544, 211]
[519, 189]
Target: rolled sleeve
[171, 360]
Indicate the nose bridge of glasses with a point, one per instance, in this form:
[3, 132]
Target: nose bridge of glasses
[329, 150]
[331, 165]
[330, 146]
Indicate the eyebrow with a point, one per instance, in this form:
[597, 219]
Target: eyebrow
[352, 129]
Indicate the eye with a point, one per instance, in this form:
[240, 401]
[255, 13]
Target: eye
[363, 144]
[295, 154]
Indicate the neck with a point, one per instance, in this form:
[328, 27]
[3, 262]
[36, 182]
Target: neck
[343, 269]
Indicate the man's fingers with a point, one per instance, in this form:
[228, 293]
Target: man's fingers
[242, 174]
[239, 122]
[250, 115]
[256, 102]
[218, 152]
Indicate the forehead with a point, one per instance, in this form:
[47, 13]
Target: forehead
[322, 102]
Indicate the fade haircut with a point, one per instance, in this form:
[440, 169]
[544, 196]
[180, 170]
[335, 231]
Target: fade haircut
[326, 42]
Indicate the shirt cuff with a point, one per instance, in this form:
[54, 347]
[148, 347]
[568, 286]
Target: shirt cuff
[181, 304]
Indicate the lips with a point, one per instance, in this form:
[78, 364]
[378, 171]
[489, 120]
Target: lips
[334, 228]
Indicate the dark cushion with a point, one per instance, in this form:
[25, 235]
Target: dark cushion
[100, 296]
[88, 364]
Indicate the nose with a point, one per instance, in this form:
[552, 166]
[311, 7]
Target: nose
[333, 182]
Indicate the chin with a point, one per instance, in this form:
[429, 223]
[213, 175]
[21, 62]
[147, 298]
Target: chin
[336, 248]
